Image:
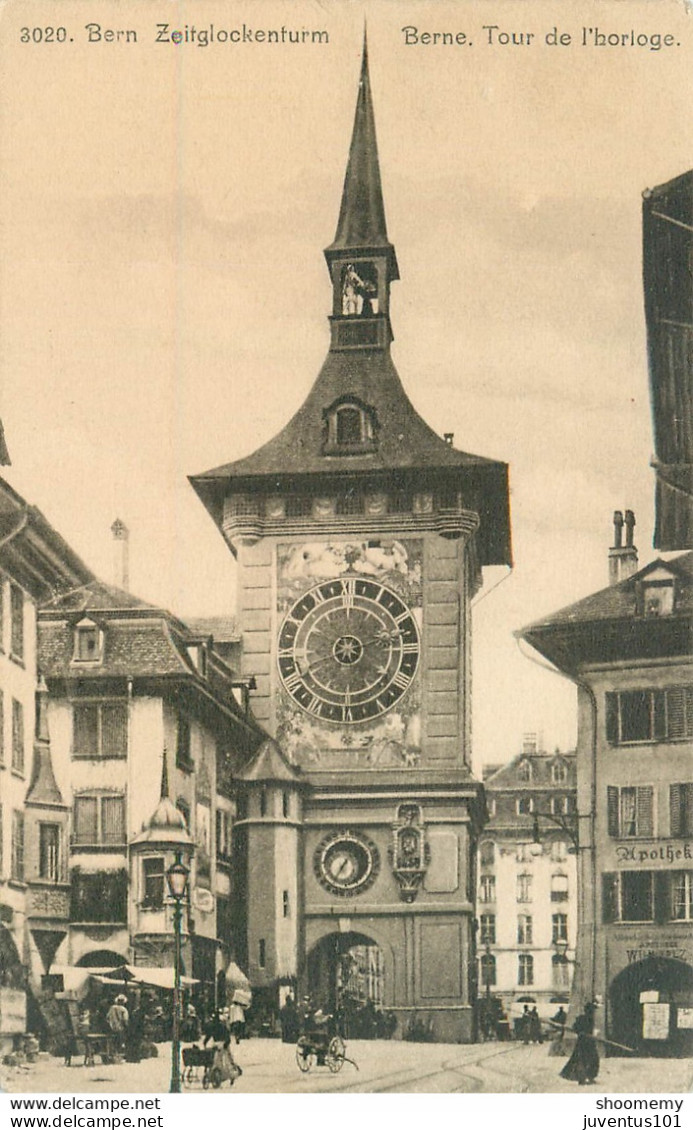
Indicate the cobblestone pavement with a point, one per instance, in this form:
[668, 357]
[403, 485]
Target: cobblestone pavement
[383, 1067]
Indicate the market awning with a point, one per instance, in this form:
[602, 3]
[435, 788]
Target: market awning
[235, 977]
[160, 977]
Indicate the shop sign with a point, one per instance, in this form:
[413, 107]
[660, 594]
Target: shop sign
[675, 953]
[671, 852]
[684, 1018]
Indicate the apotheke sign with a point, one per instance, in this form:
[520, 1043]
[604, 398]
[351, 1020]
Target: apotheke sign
[671, 853]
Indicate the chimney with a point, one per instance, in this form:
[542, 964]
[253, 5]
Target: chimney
[121, 555]
[623, 559]
[532, 743]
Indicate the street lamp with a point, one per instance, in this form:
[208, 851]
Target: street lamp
[177, 879]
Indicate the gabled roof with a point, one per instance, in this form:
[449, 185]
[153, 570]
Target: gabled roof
[268, 763]
[508, 776]
[96, 596]
[223, 629]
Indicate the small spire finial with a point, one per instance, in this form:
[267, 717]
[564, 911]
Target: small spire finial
[164, 774]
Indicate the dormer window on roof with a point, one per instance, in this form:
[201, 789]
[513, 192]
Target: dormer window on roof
[351, 427]
[524, 770]
[88, 642]
[559, 772]
[657, 595]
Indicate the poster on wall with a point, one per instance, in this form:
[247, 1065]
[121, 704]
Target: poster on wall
[655, 1021]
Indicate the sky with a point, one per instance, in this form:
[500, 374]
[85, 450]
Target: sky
[164, 298]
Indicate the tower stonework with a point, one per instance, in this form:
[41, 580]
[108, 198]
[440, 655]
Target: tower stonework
[360, 537]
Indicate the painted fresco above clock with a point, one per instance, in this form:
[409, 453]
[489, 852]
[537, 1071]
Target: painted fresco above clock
[348, 652]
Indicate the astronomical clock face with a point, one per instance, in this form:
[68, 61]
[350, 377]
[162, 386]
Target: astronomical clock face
[348, 649]
[346, 863]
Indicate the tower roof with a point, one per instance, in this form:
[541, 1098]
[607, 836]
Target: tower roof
[361, 221]
[4, 453]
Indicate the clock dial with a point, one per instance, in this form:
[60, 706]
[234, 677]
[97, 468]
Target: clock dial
[346, 863]
[348, 650]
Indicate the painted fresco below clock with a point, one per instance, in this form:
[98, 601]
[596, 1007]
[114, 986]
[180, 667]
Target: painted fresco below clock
[348, 652]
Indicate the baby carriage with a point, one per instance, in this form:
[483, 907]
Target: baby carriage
[217, 1065]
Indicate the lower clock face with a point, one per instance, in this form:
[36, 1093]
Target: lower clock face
[346, 863]
[348, 650]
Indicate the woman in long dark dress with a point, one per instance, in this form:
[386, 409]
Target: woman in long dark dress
[583, 1065]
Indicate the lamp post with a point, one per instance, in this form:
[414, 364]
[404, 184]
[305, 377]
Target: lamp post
[177, 879]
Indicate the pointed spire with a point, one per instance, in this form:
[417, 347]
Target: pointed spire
[361, 221]
[164, 775]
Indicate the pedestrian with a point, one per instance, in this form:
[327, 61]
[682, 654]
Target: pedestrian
[525, 1025]
[289, 1021]
[190, 1028]
[117, 1019]
[583, 1065]
[236, 1014]
[134, 1035]
[535, 1032]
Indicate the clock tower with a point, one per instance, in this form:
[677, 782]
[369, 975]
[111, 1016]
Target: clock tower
[360, 536]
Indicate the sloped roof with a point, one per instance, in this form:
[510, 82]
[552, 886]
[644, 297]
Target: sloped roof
[268, 763]
[619, 601]
[610, 626]
[223, 629]
[4, 453]
[509, 777]
[43, 788]
[97, 597]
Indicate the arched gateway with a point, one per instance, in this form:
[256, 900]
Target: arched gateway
[346, 975]
[651, 1007]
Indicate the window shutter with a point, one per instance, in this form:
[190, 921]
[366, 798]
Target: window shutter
[676, 712]
[85, 730]
[610, 896]
[687, 806]
[612, 809]
[612, 718]
[662, 896]
[644, 802]
[676, 810]
[85, 819]
[112, 820]
[114, 729]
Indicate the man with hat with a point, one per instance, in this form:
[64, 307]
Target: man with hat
[117, 1019]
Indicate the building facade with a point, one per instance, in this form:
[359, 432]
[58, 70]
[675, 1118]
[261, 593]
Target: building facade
[134, 694]
[360, 536]
[527, 897]
[35, 562]
[628, 649]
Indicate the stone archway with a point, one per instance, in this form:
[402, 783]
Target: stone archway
[346, 975]
[652, 1026]
[101, 959]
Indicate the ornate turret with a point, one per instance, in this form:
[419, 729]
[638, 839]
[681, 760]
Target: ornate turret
[166, 826]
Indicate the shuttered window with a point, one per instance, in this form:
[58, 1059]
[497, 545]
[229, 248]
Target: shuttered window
[630, 811]
[100, 729]
[637, 896]
[16, 622]
[18, 846]
[681, 809]
[650, 714]
[99, 819]
[17, 736]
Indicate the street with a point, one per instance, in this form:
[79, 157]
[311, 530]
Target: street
[383, 1067]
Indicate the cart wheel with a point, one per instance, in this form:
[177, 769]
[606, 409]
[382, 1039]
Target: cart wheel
[205, 1078]
[304, 1058]
[336, 1054]
[215, 1077]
